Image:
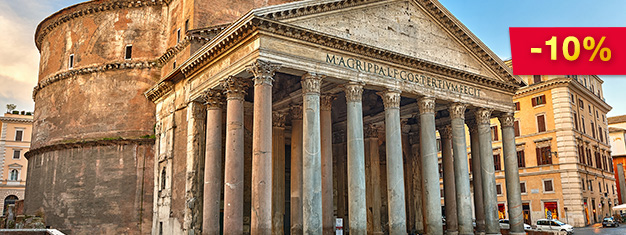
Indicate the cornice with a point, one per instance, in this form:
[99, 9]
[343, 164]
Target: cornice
[16, 120]
[91, 69]
[161, 88]
[84, 9]
[542, 86]
[91, 143]
[173, 51]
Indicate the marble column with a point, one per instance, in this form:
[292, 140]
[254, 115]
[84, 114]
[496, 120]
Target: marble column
[311, 155]
[449, 182]
[461, 169]
[278, 172]
[395, 165]
[296, 169]
[511, 173]
[326, 125]
[235, 89]
[212, 163]
[479, 210]
[261, 221]
[622, 182]
[416, 176]
[490, 198]
[196, 123]
[372, 163]
[357, 212]
[430, 166]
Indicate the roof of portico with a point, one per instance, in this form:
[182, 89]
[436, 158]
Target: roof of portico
[275, 20]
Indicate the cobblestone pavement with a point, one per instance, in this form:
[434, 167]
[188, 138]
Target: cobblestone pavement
[598, 229]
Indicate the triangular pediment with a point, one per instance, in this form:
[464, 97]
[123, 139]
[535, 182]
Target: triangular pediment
[403, 27]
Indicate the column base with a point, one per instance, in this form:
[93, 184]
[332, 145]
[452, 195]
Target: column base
[479, 233]
[452, 232]
[494, 234]
[518, 233]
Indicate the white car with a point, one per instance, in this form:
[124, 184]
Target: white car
[554, 225]
[504, 224]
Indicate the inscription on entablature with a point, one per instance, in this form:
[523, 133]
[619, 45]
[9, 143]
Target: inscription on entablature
[395, 73]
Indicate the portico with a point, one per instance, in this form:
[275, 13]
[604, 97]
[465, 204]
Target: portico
[356, 86]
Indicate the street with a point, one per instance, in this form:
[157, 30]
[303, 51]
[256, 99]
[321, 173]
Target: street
[598, 229]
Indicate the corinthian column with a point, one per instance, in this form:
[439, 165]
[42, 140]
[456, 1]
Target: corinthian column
[416, 165]
[261, 221]
[328, 215]
[479, 209]
[311, 155]
[195, 158]
[296, 169]
[372, 159]
[490, 199]
[278, 173]
[511, 173]
[461, 169]
[212, 163]
[395, 166]
[356, 160]
[430, 166]
[234, 162]
[449, 182]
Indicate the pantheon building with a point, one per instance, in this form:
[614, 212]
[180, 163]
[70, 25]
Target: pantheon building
[297, 118]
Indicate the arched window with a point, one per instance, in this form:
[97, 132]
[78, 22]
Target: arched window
[9, 200]
[163, 175]
[13, 175]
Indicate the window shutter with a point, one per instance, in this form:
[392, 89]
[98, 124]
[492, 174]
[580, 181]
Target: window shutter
[534, 101]
[516, 128]
[538, 152]
[541, 123]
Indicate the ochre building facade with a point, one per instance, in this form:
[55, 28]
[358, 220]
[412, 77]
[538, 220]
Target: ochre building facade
[15, 139]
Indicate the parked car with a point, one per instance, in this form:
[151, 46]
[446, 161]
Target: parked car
[554, 225]
[504, 224]
[609, 222]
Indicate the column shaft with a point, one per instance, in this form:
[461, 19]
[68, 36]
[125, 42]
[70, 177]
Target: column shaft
[430, 166]
[372, 159]
[622, 182]
[311, 156]
[328, 212]
[449, 182]
[461, 169]
[490, 199]
[416, 165]
[296, 170]
[261, 216]
[195, 158]
[278, 173]
[234, 160]
[212, 164]
[511, 172]
[479, 209]
[357, 212]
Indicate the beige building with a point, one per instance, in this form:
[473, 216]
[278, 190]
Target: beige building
[15, 137]
[617, 135]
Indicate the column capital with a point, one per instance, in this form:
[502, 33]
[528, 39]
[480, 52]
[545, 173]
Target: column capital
[506, 120]
[483, 116]
[339, 137]
[473, 126]
[326, 102]
[371, 131]
[391, 98]
[263, 71]
[296, 112]
[426, 104]
[457, 110]
[235, 87]
[278, 119]
[445, 131]
[213, 98]
[354, 91]
[311, 83]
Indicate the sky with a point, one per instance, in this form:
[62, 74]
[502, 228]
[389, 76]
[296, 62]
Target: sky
[489, 20]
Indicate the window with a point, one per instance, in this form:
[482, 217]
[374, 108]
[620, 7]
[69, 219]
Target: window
[521, 159]
[438, 145]
[522, 186]
[494, 133]
[581, 104]
[597, 116]
[539, 100]
[589, 109]
[536, 78]
[13, 175]
[441, 192]
[496, 162]
[600, 134]
[129, 52]
[593, 130]
[186, 25]
[163, 178]
[178, 36]
[440, 171]
[9, 200]
[590, 185]
[571, 98]
[16, 154]
[71, 62]
[18, 135]
[575, 121]
[499, 189]
[582, 123]
[599, 187]
[516, 128]
[547, 186]
[544, 156]
[174, 65]
[581, 154]
[583, 181]
[517, 107]
[541, 123]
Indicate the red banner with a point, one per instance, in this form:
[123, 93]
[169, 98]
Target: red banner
[568, 51]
